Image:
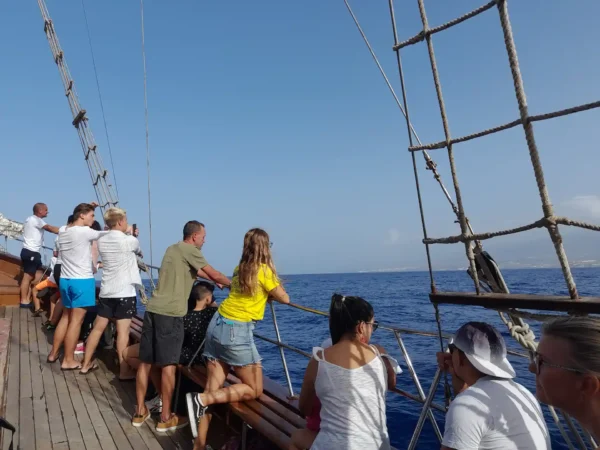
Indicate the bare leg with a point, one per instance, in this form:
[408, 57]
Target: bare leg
[141, 386]
[71, 338]
[217, 373]
[167, 386]
[251, 387]
[34, 292]
[131, 361]
[122, 341]
[303, 439]
[53, 301]
[58, 312]
[59, 335]
[92, 342]
[25, 286]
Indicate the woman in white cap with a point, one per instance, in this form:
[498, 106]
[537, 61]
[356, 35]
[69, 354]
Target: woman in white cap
[490, 410]
[567, 369]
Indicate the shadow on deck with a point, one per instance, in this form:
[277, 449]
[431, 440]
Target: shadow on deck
[52, 409]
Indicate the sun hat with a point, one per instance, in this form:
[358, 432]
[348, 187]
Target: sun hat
[484, 347]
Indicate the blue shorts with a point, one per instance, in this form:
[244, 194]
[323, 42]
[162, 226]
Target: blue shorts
[231, 342]
[78, 292]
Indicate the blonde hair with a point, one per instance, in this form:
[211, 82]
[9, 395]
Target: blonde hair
[257, 251]
[583, 335]
[113, 215]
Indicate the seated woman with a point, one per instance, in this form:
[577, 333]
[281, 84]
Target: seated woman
[567, 369]
[350, 379]
[304, 437]
[230, 339]
[201, 309]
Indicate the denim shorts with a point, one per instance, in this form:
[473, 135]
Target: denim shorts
[231, 342]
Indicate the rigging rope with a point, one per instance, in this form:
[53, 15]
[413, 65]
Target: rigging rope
[147, 136]
[112, 166]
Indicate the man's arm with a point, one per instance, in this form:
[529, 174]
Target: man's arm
[209, 273]
[50, 228]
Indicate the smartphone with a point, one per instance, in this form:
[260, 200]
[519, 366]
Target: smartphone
[133, 228]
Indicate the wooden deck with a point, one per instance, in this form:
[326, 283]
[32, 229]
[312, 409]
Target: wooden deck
[52, 409]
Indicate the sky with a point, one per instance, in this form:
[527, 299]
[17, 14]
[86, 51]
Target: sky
[272, 114]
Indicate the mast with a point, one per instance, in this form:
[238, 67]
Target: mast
[105, 192]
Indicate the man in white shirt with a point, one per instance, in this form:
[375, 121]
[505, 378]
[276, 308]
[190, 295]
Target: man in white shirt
[31, 257]
[490, 411]
[77, 282]
[120, 279]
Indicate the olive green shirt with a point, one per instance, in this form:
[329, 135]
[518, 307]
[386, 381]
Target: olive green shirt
[178, 271]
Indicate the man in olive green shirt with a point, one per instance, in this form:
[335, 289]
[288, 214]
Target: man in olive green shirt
[162, 332]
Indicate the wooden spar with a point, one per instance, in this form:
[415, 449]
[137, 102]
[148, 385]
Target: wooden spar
[583, 305]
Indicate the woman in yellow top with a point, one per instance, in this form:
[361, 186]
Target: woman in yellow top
[229, 338]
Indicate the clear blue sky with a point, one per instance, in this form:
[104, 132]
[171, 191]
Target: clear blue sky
[272, 114]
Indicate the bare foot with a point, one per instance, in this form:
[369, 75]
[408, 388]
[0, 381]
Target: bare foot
[70, 366]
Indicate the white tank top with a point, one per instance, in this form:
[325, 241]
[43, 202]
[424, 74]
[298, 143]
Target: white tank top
[352, 405]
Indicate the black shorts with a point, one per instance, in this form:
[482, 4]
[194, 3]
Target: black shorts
[56, 274]
[117, 308]
[162, 338]
[32, 261]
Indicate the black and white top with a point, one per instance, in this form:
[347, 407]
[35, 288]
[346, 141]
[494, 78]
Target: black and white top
[195, 325]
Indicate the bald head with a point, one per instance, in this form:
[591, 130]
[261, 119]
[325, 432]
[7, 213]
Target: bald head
[40, 210]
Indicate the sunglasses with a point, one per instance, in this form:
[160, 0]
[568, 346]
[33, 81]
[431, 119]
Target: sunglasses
[374, 324]
[452, 347]
[538, 361]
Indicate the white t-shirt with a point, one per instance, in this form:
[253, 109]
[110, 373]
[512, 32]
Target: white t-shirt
[496, 414]
[60, 230]
[33, 233]
[52, 264]
[120, 273]
[75, 247]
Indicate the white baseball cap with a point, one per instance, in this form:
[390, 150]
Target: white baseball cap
[484, 347]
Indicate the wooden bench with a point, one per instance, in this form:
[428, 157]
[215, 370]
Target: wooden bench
[272, 415]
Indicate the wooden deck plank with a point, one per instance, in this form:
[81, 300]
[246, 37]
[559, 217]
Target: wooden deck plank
[106, 409]
[40, 412]
[106, 379]
[126, 392]
[85, 424]
[104, 436]
[13, 394]
[26, 437]
[74, 437]
[57, 428]
[181, 439]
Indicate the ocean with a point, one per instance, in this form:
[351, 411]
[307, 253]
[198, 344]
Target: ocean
[401, 300]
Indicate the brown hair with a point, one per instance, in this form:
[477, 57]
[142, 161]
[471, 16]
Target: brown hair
[113, 215]
[583, 336]
[37, 207]
[257, 251]
[193, 226]
[82, 208]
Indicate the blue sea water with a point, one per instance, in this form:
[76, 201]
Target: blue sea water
[401, 300]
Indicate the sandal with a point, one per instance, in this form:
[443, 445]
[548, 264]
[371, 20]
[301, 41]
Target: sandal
[37, 313]
[66, 369]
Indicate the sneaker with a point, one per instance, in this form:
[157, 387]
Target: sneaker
[195, 411]
[138, 420]
[80, 349]
[154, 405]
[174, 423]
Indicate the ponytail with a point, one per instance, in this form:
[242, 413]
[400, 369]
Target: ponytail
[345, 313]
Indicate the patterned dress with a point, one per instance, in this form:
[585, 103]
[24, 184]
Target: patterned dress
[195, 324]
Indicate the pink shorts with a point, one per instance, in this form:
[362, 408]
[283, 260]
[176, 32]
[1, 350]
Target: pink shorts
[313, 421]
